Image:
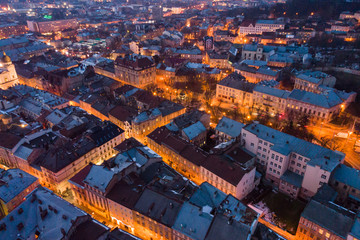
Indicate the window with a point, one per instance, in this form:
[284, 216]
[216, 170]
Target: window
[252, 144]
[265, 143]
[323, 176]
[259, 147]
[244, 134]
[298, 164]
[272, 156]
[260, 141]
[281, 159]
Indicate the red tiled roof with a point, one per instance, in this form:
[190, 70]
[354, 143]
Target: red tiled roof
[80, 176]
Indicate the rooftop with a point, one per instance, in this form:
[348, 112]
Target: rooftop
[200, 221]
[13, 182]
[230, 127]
[237, 81]
[158, 207]
[347, 175]
[42, 213]
[325, 158]
[331, 217]
[194, 130]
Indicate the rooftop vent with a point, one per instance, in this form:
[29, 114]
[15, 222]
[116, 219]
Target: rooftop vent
[20, 226]
[20, 211]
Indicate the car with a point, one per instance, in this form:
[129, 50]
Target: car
[342, 135]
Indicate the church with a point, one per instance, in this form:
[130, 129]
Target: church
[8, 76]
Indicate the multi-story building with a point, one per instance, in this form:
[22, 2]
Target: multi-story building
[313, 81]
[259, 27]
[323, 219]
[44, 26]
[51, 218]
[228, 129]
[216, 60]
[345, 180]
[322, 106]
[270, 100]
[135, 70]
[221, 35]
[164, 73]
[15, 185]
[264, 52]
[214, 216]
[7, 142]
[235, 89]
[8, 75]
[143, 112]
[54, 158]
[296, 166]
[10, 29]
[220, 170]
[256, 75]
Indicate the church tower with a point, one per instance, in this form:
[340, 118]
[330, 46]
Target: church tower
[8, 75]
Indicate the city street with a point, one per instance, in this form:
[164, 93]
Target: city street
[345, 145]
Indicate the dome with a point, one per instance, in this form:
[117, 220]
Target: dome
[6, 58]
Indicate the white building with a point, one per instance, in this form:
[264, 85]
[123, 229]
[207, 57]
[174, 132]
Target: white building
[296, 166]
[260, 26]
[312, 81]
[235, 89]
[8, 75]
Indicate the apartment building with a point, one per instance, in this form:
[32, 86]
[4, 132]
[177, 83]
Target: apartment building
[136, 70]
[216, 60]
[214, 215]
[345, 180]
[270, 100]
[256, 75]
[313, 81]
[221, 35]
[15, 186]
[265, 52]
[322, 106]
[260, 26]
[235, 89]
[56, 157]
[220, 170]
[43, 26]
[43, 215]
[297, 167]
[228, 129]
[327, 220]
[143, 112]
[93, 184]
